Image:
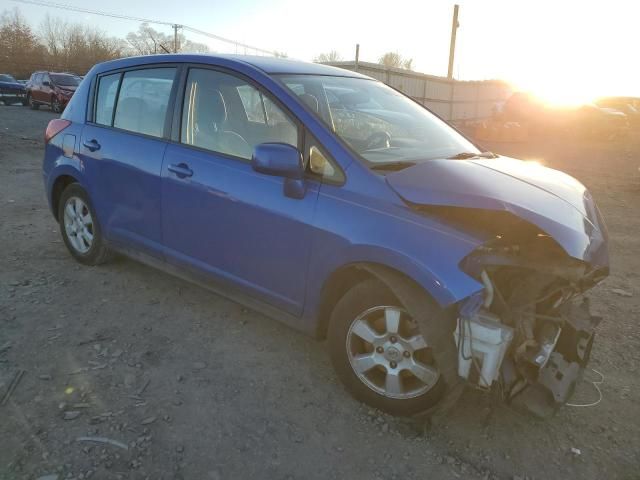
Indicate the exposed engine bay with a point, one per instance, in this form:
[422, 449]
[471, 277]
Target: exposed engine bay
[530, 332]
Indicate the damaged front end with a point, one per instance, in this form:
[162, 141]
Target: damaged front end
[542, 243]
[530, 330]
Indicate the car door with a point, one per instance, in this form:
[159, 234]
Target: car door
[36, 91]
[219, 216]
[46, 89]
[122, 148]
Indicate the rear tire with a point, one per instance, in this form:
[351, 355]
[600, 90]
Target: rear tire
[79, 227]
[380, 372]
[56, 107]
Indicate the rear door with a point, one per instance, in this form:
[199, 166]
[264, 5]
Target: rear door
[122, 148]
[219, 216]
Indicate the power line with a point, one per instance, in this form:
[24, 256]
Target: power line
[217, 37]
[93, 12]
[74, 8]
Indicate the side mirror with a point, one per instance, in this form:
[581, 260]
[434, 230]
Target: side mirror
[46, 83]
[281, 160]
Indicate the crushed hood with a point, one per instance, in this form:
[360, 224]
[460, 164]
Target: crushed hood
[553, 201]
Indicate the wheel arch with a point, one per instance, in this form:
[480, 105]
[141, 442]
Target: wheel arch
[58, 186]
[345, 277]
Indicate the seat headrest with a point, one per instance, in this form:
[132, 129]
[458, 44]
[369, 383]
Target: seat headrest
[218, 107]
[130, 112]
[311, 101]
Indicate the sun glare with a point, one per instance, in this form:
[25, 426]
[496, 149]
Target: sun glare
[564, 53]
[556, 94]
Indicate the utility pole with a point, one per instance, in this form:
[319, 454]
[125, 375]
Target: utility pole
[357, 56]
[452, 47]
[175, 38]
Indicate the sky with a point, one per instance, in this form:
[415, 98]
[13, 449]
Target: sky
[565, 51]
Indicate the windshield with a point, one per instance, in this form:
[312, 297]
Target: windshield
[65, 80]
[378, 123]
[7, 78]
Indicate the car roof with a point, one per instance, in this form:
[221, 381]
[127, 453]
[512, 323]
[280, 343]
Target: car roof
[269, 65]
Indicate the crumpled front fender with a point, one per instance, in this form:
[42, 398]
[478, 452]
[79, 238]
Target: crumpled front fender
[553, 201]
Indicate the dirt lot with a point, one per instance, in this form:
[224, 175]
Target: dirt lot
[198, 387]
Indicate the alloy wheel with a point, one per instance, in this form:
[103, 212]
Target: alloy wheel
[389, 354]
[78, 224]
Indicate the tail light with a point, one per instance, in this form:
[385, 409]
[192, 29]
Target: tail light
[55, 127]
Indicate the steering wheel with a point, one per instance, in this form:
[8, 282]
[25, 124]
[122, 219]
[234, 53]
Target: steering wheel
[379, 139]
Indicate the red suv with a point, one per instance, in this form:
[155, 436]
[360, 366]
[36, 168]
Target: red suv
[52, 89]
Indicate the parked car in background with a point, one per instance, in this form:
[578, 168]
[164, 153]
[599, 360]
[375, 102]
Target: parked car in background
[612, 101]
[627, 105]
[11, 90]
[340, 206]
[532, 113]
[604, 123]
[51, 89]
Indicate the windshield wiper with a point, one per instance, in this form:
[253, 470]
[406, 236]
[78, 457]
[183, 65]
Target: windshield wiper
[392, 166]
[466, 155]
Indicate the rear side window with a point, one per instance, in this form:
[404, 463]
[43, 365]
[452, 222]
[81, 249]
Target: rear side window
[143, 100]
[106, 99]
[225, 114]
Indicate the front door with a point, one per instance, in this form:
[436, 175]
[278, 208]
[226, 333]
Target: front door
[221, 217]
[37, 91]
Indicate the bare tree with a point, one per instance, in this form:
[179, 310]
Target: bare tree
[75, 47]
[188, 46]
[395, 60]
[20, 50]
[332, 56]
[148, 41]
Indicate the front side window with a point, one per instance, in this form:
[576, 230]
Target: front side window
[225, 114]
[106, 99]
[7, 78]
[143, 100]
[380, 124]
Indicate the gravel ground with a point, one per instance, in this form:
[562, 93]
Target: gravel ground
[194, 386]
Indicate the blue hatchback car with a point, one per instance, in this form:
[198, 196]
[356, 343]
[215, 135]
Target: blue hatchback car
[336, 204]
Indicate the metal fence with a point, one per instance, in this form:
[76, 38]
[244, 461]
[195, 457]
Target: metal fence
[453, 100]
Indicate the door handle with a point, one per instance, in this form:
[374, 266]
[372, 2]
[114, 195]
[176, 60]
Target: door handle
[182, 170]
[91, 145]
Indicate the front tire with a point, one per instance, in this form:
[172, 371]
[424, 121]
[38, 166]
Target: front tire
[33, 105]
[79, 227]
[379, 353]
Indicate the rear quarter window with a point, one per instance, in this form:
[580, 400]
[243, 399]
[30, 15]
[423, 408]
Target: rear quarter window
[106, 98]
[143, 100]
